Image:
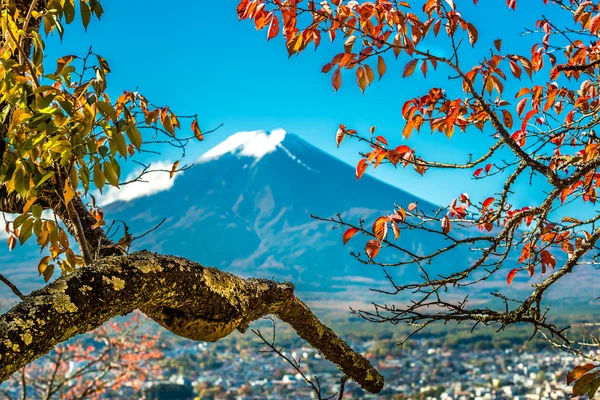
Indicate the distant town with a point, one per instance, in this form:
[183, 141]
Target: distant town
[215, 371]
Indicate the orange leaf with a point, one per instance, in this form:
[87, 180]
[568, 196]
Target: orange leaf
[348, 234]
[361, 78]
[487, 202]
[173, 169]
[595, 24]
[196, 130]
[424, 68]
[12, 242]
[409, 68]
[361, 168]
[336, 80]
[408, 128]
[578, 371]
[372, 248]
[380, 228]
[511, 275]
[508, 119]
[381, 68]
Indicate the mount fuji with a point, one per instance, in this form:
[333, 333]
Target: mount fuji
[245, 207]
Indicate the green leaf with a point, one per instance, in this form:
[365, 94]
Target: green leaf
[84, 9]
[69, 10]
[84, 176]
[135, 137]
[21, 182]
[119, 141]
[106, 109]
[96, 8]
[20, 220]
[111, 175]
[36, 211]
[26, 231]
[45, 178]
[99, 178]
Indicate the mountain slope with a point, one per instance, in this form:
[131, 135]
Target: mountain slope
[248, 211]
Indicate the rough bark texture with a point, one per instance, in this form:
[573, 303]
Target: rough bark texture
[190, 300]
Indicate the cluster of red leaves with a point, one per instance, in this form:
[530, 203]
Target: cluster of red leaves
[380, 229]
[380, 151]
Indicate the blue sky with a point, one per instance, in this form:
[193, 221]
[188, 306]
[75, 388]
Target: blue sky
[197, 57]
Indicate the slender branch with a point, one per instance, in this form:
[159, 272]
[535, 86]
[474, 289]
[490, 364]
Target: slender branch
[12, 287]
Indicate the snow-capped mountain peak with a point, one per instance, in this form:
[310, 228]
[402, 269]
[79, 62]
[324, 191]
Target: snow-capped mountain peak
[254, 144]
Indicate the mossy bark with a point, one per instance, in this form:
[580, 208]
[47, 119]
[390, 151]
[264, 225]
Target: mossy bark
[190, 300]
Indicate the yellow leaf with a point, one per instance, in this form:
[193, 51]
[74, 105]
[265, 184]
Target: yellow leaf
[28, 204]
[68, 192]
[43, 264]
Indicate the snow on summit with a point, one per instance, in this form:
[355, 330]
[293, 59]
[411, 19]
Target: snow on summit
[247, 143]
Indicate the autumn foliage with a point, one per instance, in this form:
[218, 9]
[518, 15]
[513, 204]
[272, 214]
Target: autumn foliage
[115, 359]
[544, 131]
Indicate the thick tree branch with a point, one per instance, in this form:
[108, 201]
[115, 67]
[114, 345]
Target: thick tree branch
[190, 300]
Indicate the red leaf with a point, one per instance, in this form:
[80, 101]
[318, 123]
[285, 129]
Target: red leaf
[273, 28]
[372, 248]
[361, 168]
[348, 234]
[511, 275]
[382, 140]
[478, 172]
[487, 168]
[487, 202]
